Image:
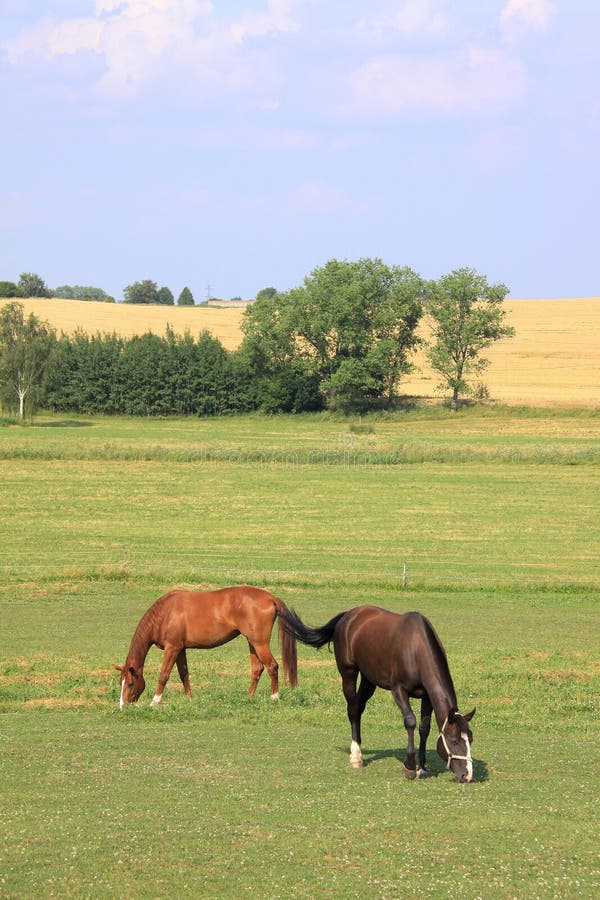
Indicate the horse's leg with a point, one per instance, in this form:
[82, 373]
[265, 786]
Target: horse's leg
[365, 691]
[182, 668]
[424, 729]
[410, 723]
[170, 655]
[257, 669]
[265, 659]
[355, 702]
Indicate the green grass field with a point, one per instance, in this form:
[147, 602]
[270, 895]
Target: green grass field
[495, 513]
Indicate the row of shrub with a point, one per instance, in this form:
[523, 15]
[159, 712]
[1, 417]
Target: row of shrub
[147, 375]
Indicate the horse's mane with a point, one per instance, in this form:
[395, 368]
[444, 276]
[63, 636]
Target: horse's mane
[439, 654]
[143, 637]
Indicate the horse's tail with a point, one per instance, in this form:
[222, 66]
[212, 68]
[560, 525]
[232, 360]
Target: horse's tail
[287, 641]
[291, 623]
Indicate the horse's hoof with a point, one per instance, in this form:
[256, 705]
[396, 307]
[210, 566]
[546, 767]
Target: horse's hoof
[409, 773]
[275, 696]
[356, 763]
[422, 773]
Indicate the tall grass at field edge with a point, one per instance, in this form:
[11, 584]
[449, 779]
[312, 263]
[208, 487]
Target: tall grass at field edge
[409, 454]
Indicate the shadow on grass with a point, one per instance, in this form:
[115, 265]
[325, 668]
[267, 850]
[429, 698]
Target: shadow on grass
[64, 423]
[435, 765]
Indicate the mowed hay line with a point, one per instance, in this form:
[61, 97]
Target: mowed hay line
[554, 358]
[128, 319]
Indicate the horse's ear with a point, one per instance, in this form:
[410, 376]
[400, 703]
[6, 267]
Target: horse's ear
[118, 668]
[470, 715]
[452, 715]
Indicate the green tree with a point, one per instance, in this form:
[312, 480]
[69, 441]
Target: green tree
[351, 326]
[266, 293]
[466, 317]
[83, 373]
[26, 350]
[141, 292]
[186, 298]
[277, 378]
[82, 292]
[139, 376]
[31, 285]
[165, 297]
[8, 289]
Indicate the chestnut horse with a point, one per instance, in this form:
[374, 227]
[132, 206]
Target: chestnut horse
[404, 655]
[183, 619]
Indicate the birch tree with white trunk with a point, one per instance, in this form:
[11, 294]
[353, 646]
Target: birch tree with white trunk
[27, 346]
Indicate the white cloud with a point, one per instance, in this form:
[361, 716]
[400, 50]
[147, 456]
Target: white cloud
[277, 20]
[415, 17]
[529, 14]
[143, 40]
[478, 79]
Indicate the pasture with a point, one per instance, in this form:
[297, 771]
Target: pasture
[494, 511]
[553, 359]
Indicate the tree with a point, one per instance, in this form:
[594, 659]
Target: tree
[8, 289]
[82, 292]
[165, 297]
[466, 317]
[266, 293]
[352, 326]
[186, 298]
[83, 373]
[278, 379]
[31, 285]
[141, 292]
[26, 350]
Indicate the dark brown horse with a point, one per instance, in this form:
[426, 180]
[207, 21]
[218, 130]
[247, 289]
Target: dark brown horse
[404, 655]
[182, 619]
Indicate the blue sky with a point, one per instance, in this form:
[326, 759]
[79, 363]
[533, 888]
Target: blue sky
[240, 144]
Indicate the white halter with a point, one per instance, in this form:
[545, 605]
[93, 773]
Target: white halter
[451, 755]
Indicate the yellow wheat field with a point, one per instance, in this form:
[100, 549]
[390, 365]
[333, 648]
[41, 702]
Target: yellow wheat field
[554, 358]
[129, 319]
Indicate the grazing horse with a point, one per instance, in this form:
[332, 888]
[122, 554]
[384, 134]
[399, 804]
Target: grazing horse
[183, 619]
[404, 655]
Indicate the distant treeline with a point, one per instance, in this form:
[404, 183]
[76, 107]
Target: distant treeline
[31, 284]
[343, 341]
[147, 375]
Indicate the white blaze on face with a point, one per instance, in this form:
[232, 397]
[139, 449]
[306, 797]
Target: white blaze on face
[122, 701]
[469, 759]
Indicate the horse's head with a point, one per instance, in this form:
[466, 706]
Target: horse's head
[132, 684]
[454, 744]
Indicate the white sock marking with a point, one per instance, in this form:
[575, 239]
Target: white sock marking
[356, 759]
